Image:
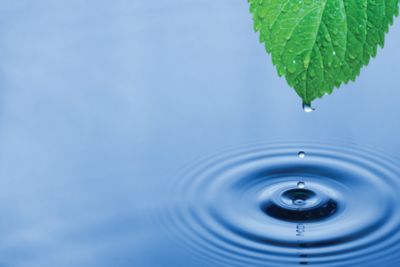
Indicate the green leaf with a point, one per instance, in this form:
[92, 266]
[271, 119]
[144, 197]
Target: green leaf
[320, 44]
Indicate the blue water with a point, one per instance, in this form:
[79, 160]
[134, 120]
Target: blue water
[158, 133]
[263, 205]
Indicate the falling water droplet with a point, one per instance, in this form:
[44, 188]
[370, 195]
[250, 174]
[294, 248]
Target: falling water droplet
[308, 108]
[301, 154]
[301, 184]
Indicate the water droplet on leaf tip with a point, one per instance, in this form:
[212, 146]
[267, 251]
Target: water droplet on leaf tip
[308, 108]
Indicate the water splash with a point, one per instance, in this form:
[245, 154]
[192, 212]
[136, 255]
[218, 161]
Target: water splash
[248, 207]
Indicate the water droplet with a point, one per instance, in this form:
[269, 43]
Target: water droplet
[301, 184]
[301, 154]
[308, 108]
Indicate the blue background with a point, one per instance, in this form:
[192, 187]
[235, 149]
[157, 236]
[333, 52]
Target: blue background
[102, 102]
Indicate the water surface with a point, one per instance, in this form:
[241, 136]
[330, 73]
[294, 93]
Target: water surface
[104, 105]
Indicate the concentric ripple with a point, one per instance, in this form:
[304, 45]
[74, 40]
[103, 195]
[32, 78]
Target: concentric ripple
[269, 206]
